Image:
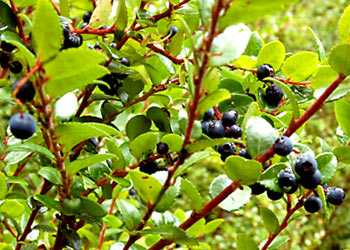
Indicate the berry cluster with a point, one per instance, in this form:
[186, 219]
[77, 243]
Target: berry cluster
[225, 127]
[6, 58]
[71, 40]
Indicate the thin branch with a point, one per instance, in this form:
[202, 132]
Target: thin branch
[317, 105]
[19, 23]
[100, 241]
[8, 227]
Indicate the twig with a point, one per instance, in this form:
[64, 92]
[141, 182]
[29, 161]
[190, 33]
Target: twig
[100, 241]
[19, 23]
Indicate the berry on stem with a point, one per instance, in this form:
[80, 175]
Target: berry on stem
[8, 47]
[312, 204]
[257, 188]
[26, 92]
[273, 95]
[244, 153]
[149, 167]
[216, 129]
[311, 182]
[286, 178]
[172, 31]
[283, 146]
[22, 125]
[235, 131]
[208, 114]
[335, 195]
[16, 67]
[229, 118]
[226, 150]
[162, 148]
[274, 195]
[125, 61]
[305, 165]
[87, 17]
[265, 70]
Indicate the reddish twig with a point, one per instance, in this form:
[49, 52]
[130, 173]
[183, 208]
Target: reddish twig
[164, 53]
[196, 216]
[100, 241]
[3, 72]
[86, 30]
[295, 125]
[217, 112]
[19, 23]
[7, 226]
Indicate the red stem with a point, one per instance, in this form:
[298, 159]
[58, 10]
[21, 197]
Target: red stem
[19, 23]
[196, 216]
[295, 125]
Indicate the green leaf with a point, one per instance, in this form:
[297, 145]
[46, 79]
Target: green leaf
[160, 118]
[73, 69]
[234, 201]
[272, 53]
[72, 133]
[169, 196]
[226, 50]
[7, 16]
[260, 136]
[92, 208]
[342, 108]
[278, 242]
[166, 218]
[101, 14]
[197, 228]
[212, 99]
[327, 164]
[254, 46]
[343, 154]
[12, 207]
[113, 148]
[137, 125]
[247, 172]
[324, 75]
[269, 219]
[122, 15]
[3, 186]
[46, 25]
[339, 59]
[194, 158]
[192, 192]
[51, 174]
[321, 51]
[322, 195]
[238, 102]
[121, 181]
[344, 26]
[88, 161]
[30, 147]
[202, 144]
[205, 7]
[170, 232]
[45, 228]
[269, 178]
[253, 110]
[64, 8]
[211, 226]
[143, 144]
[147, 187]
[300, 66]
[130, 214]
[133, 87]
[72, 238]
[244, 242]
[173, 141]
[48, 202]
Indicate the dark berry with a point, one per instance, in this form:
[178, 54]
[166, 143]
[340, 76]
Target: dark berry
[305, 165]
[66, 31]
[113, 45]
[162, 148]
[22, 125]
[216, 129]
[93, 141]
[26, 92]
[72, 41]
[208, 114]
[265, 70]
[244, 153]
[205, 127]
[335, 195]
[283, 146]
[172, 31]
[235, 131]
[312, 204]
[286, 178]
[266, 166]
[125, 61]
[274, 195]
[226, 150]
[229, 118]
[4, 59]
[16, 67]
[273, 95]
[87, 17]
[149, 167]
[311, 182]
[132, 191]
[257, 188]
[97, 46]
[8, 47]
[293, 189]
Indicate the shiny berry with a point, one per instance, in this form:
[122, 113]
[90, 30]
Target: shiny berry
[16, 67]
[162, 148]
[125, 61]
[335, 195]
[312, 204]
[227, 149]
[265, 70]
[87, 17]
[229, 118]
[172, 31]
[205, 127]
[286, 178]
[235, 131]
[8, 47]
[72, 41]
[305, 165]
[208, 114]
[22, 125]
[257, 188]
[274, 195]
[311, 182]
[273, 95]
[283, 146]
[216, 129]
[244, 153]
